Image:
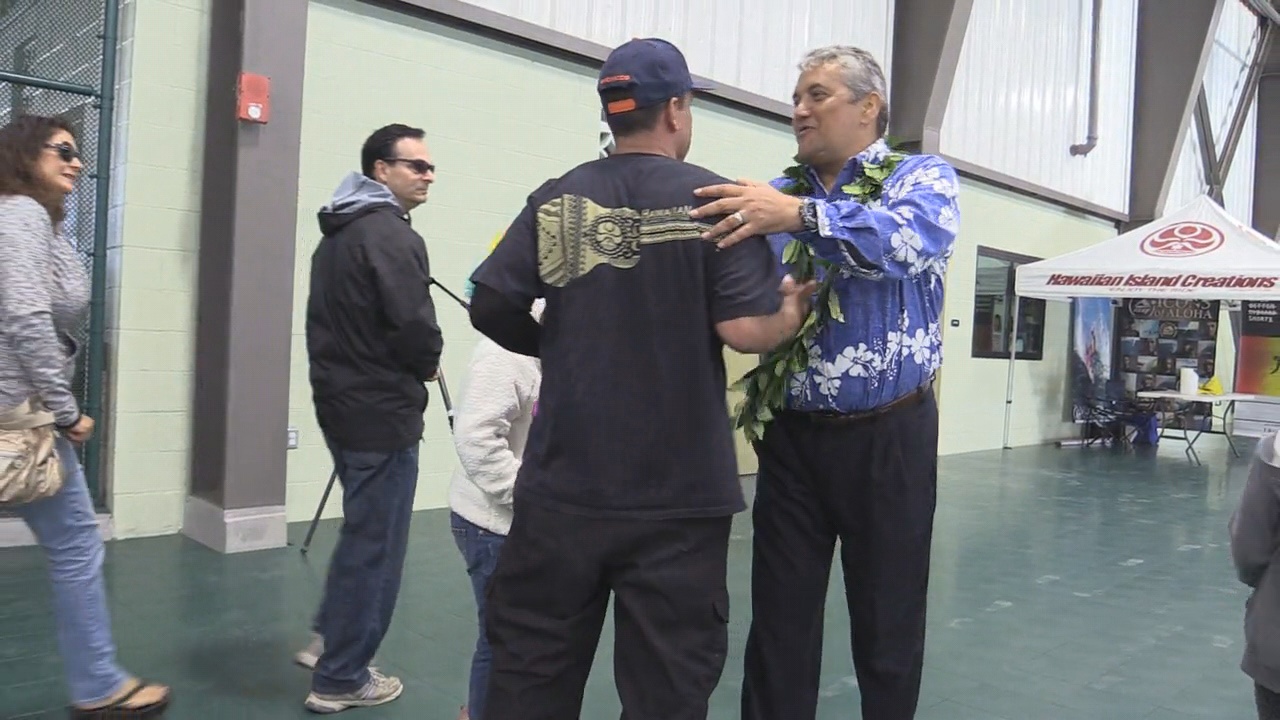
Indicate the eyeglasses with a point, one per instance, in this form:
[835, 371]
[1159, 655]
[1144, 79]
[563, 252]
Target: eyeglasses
[422, 167]
[66, 153]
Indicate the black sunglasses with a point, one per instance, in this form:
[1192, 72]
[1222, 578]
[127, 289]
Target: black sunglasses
[422, 167]
[66, 153]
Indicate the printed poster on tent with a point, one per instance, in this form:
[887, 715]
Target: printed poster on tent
[1092, 341]
[1258, 359]
[1159, 337]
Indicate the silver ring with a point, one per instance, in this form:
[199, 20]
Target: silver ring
[737, 215]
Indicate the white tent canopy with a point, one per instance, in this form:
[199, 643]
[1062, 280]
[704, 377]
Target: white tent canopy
[1198, 252]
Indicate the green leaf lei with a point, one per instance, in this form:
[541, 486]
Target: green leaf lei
[765, 386]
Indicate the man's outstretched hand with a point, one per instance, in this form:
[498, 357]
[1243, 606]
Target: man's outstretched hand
[752, 208]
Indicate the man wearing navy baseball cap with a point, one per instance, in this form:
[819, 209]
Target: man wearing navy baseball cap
[628, 483]
[643, 73]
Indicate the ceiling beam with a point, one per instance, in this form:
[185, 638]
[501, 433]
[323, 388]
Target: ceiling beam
[927, 38]
[1253, 74]
[1266, 169]
[1174, 40]
[1209, 167]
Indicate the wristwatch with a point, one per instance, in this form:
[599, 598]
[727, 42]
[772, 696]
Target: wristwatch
[809, 214]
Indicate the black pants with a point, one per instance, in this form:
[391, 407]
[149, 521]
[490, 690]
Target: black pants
[546, 606]
[871, 483]
[1268, 703]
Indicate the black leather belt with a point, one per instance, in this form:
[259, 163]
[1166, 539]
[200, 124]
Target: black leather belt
[915, 397]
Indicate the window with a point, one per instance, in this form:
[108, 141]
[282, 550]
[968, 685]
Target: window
[993, 303]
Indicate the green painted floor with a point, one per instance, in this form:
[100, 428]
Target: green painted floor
[1067, 584]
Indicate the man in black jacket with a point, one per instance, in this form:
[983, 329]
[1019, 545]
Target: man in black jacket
[373, 344]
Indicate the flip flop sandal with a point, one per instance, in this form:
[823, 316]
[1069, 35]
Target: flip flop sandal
[121, 710]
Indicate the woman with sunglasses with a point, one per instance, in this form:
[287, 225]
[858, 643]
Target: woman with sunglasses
[44, 298]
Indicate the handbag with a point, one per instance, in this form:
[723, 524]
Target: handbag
[30, 468]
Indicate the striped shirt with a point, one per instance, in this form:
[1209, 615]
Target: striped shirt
[44, 298]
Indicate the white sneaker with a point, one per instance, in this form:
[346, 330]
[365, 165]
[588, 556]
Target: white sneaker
[310, 655]
[380, 690]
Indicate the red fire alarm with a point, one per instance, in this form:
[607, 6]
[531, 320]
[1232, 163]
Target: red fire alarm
[255, 98]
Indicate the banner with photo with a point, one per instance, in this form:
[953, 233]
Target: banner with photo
[1092, 348]
[1160, 337]
[1258, 358]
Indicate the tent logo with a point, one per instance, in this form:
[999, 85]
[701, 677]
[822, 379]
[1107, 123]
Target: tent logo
[1182, 240]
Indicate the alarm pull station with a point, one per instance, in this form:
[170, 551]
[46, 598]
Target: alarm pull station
[254, 98]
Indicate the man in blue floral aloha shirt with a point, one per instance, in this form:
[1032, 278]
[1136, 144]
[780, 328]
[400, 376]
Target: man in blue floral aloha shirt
[848, 434]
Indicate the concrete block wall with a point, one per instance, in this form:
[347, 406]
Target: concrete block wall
[152, 261]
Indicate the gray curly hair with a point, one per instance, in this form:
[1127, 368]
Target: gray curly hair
[862, 75]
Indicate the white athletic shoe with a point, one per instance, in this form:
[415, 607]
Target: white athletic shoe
[310, 655]
[380, 690]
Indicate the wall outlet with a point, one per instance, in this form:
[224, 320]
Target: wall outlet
[293, 439]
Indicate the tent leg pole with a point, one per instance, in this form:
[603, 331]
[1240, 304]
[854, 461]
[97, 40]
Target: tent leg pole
[1013, 354]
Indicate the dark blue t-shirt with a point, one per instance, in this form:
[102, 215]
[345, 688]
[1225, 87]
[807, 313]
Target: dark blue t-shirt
[632, 419]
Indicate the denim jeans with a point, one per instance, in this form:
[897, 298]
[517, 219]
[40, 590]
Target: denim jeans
[479, 549]
[364, 572]
[66, 527]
